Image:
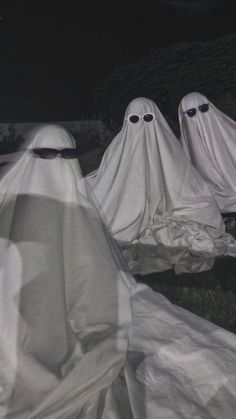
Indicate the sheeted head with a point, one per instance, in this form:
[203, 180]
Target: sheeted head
[44, 169]
[53, 136]
[142, 112]
[194, 105]
[208, 138]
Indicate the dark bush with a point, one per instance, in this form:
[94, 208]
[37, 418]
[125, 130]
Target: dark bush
[167, 74]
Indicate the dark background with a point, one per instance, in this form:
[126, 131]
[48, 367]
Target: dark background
[54, 52]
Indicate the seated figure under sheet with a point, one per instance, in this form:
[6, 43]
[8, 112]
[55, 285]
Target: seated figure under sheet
[157, 206]
[79, 338]
[208, 137]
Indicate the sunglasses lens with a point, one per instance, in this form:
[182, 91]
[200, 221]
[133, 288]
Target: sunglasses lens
[148, 117]
[69, 153]
[134, 119]
[204, 107]
[45, 153]
[191, 112]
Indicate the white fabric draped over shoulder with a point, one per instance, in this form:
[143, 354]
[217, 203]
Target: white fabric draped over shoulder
[156, 204]
[79, 338]
[209, 140]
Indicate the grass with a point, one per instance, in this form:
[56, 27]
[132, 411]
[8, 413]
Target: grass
[211, 295]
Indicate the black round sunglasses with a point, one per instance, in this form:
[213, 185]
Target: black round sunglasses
[202, 108]
[52, 153]
[135, 118]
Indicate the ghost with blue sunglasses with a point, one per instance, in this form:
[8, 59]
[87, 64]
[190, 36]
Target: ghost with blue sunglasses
[208, 137]
[202, 108]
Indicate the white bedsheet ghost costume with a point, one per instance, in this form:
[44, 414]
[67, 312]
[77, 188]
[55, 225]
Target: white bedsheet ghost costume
[57, 323]
[79, 338]
[155, 203]
[209, 140]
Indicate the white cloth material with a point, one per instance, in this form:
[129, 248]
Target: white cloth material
[155, 203]
[79, 338]
[65, 305]
[209, 140]
[174, 362]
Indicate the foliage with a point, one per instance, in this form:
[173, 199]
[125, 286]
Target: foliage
[167, 74]
[89, 138]
[11, 141]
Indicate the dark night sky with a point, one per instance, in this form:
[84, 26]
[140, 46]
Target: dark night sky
[53, 52]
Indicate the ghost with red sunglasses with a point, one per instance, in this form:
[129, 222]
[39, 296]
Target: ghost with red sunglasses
[56, 321]
[48, 152]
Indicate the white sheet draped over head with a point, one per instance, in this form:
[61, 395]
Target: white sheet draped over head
[209, 140]
[154, 199]
[64, 309]
[68, 348]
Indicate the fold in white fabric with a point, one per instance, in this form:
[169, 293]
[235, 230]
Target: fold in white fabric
[209, 140]
[156, 204]
[174, 362]
[79, 339]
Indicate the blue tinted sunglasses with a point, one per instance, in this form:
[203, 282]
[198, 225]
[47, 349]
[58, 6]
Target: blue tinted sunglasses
[202, 108]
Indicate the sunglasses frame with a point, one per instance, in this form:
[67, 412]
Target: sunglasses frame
[55, 153]
[200, 108]
[140, 117]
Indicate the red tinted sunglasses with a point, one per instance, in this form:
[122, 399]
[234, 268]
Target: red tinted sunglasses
[52, 153]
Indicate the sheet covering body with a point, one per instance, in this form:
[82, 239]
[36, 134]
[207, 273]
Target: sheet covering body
[156, 204]
[65, 305]
[209, 140]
